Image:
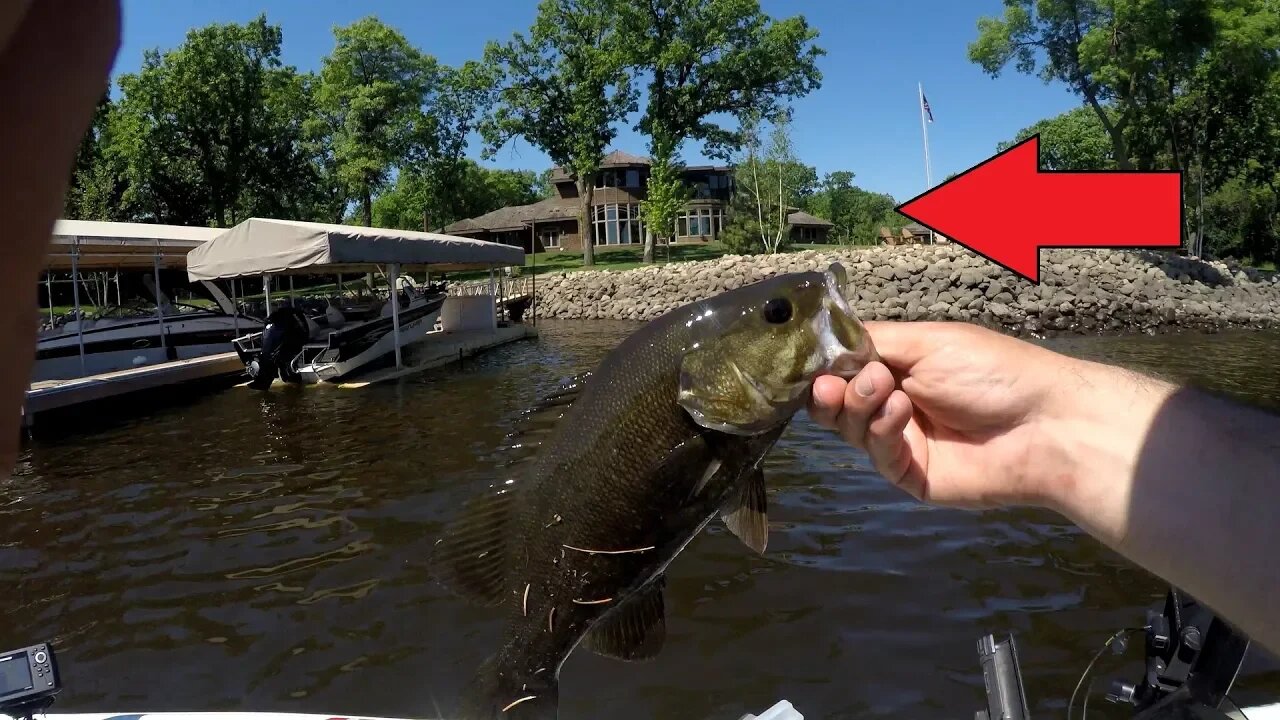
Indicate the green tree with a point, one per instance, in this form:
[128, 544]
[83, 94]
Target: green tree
[1180, 84]
[373, 86]
[479, 190]
[454, 107]
[563, 88]
[96, 189]
[706, 59]
[1073, 140]
[769, 183]
[857, 214]
[195, 131]
[666, 195]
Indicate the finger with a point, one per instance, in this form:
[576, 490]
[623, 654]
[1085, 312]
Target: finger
[53, 69]
[885, 443]
[862, 399]
[901, 345]
[826, 399]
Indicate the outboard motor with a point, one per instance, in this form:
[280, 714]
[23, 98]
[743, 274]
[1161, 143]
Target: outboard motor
[282, 339]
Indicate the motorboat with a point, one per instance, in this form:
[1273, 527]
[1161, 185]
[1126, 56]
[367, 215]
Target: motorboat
[344, 339]
[333, 339]
[119, 337]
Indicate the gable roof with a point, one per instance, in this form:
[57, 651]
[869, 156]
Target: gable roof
[800, 218]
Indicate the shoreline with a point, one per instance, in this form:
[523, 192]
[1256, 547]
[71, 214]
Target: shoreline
[1082, 292]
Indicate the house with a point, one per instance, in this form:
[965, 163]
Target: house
[620, 188]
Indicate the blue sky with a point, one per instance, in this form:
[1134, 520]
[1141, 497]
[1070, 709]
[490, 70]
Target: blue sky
[864, 118]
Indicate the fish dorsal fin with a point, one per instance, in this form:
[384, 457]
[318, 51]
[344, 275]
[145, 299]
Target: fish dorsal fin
[470, 557]
[747, 514]
[539, 420]
[636, 629]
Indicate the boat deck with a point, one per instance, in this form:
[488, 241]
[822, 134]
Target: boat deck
[54, 394]
[443, 347]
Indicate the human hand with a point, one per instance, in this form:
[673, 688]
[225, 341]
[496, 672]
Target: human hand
[955, 414]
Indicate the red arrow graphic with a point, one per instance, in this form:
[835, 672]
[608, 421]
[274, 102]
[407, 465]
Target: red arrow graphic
[1007, 209]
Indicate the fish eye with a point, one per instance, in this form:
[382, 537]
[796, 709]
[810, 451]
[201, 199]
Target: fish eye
[777, 311]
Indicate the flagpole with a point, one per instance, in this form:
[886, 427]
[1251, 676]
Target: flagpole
[924, 130]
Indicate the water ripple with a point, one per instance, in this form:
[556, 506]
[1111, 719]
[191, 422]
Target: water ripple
[267, 552]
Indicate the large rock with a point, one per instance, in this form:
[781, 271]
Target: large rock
[1080, 290]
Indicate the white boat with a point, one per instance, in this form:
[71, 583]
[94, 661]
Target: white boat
[122, 337]
[344, 340]
[334, 342]
[119, 336]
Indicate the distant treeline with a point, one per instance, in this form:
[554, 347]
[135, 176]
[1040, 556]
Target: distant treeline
[1188, 85]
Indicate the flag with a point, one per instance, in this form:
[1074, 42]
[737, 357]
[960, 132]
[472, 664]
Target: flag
[924, 103]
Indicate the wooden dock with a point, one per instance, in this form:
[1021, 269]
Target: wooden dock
[48, 395]
[443, 347]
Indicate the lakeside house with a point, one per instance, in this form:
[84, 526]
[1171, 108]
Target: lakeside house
[552, 223]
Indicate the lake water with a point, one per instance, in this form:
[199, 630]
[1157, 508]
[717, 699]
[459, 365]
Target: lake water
[267, 552]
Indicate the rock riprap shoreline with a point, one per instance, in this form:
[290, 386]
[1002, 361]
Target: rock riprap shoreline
[1082, 291]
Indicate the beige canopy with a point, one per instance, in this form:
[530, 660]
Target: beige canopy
[259, 245]
[122, 245]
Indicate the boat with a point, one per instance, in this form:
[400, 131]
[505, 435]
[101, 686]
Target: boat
[122, 335]
[337, 340]
[340, 342]
[119, 337]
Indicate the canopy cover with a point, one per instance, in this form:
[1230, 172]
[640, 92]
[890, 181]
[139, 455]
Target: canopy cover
[122, 245]
[260, 245]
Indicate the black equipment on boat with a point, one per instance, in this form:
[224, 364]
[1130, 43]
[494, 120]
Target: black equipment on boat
[1192, 658]
[282, 339]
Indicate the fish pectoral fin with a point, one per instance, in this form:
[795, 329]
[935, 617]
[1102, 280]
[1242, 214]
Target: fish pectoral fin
[470, 559]
[636, 629]
[747, 515]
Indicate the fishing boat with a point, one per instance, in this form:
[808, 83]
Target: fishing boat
[346, 338]
[306, 344]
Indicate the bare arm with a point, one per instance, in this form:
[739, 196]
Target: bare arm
[1182, 482]
[55, 56]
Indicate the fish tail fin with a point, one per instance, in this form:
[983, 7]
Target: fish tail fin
[496, 693]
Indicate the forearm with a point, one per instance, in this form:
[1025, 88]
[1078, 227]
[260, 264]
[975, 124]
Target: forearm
[1183, 483]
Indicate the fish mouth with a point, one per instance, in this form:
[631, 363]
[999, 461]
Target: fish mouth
[844, 346]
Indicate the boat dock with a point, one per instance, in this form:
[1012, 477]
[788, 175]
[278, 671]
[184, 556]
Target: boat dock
[49, 395]
[475, 316]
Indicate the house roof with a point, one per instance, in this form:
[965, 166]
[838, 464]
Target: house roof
[916, 229]
[516, 217]
[800, 218]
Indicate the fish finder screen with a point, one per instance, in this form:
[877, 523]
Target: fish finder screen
[15, 675]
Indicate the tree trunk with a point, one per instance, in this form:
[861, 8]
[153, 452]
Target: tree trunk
[367, 209]
[649, 240]
[586, 189]
[1118, 145]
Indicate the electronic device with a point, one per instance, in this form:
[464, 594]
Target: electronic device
[28, 680]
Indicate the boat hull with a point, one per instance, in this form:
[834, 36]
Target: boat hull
[134, 344]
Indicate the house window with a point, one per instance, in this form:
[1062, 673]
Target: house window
[700, 222]
[609, 178]
[718, 182]
[617, 224]
[633, 178]
[549, 238]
